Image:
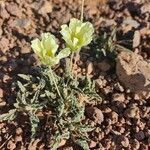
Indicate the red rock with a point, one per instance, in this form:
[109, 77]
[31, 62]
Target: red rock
[95, 114]
[1, 93]
[92, 144]
[140, 135]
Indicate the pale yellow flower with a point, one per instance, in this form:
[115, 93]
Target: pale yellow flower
[46, 49]
[77, 34]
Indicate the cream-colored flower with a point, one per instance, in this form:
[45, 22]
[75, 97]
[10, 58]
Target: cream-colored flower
[77, 34]
[46, 49]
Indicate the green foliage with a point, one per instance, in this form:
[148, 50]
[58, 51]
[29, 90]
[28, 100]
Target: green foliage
[11, 115]
[65, 97]
[83, 144]
[39, 92]
[27, 102]
[107, 45]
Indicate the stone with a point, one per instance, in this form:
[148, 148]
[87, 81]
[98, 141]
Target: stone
[118, 97]
[95, 114]
[45, 8]
[136, 39]
[140, 135]
[104, 66]
[13, 9]
[132, 112]
[92, 144]
[134, 72]
[90, 67]
[1, 93]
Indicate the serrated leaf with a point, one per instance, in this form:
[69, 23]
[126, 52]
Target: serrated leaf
[85, 128]
[61, 108]
[21, 99]
[79, 116]
[34, 120]
[25, 77]
[83, 144]
[11, 115]
[50, 94]
[35, 97]
[57, 139]
[21, 87]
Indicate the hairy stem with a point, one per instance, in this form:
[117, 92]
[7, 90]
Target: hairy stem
[82, 10]
[53, 79]
[71, 63]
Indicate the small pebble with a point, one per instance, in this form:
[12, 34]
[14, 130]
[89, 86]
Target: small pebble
[104, 66]
[62, 143]
[1, 93]
[19, 131]
[132, 112]
[114, 117]
[92, 144]
[68, 148]
[135, 144]
[149, 141]
[11, 145]
[118, 97]
[140, 135]
[125, 142]
[95, 114]
[90, 67]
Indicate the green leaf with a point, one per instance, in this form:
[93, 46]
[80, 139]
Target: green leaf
[25, 77]
[57, 139]
[63, 53]
[22, 88]
[61, 108]
[21, 98]
[85, 128]
[79, 116]
[11, 115]
[83, 144]
[34, 120]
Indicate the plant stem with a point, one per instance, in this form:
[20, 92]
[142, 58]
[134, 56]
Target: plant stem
[71, 63]
[53, 78]
[76, 57]
[82, 10]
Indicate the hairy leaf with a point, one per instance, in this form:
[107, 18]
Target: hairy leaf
[83, 144]
[11, 115]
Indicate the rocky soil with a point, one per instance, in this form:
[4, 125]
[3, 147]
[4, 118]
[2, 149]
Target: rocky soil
[122, 120]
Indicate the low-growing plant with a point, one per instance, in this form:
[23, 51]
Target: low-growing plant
[106, 45]
[64, 96]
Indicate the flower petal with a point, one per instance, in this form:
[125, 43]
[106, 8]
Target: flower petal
[78, 34]
[49, 43]
[36, 46]
[75, 25]
[66, 33]
[51, 61]
[63, 53]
